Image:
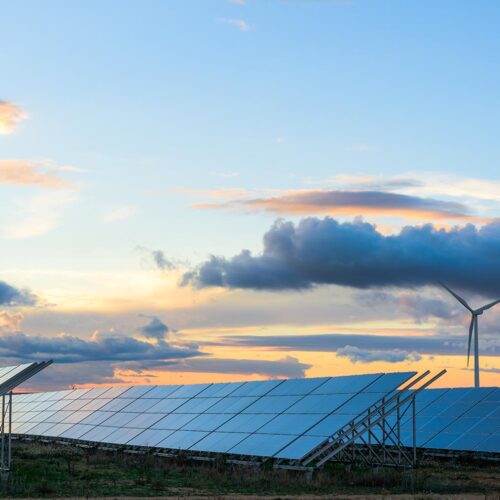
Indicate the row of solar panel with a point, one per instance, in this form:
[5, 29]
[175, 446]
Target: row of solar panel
[285, 419]
[457, 419]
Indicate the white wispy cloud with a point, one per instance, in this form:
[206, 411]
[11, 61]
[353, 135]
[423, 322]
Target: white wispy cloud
[39, 214]
[42, 174]
[238, 23]
[43, 211]
[119, 213]
[10, 115]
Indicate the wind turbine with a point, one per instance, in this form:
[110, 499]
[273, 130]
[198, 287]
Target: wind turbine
[473, 327]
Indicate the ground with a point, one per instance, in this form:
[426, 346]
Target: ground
[55, 471]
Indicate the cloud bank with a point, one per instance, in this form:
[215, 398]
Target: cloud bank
[323, 251]
[288, 367]
[345, 202]
[10, 115]
[111, 347]
[333, 342]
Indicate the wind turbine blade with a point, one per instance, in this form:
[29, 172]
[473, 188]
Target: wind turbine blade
[462, 301]
[487, 306]
[471, 327]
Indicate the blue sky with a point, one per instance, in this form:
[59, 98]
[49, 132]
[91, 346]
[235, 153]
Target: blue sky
[160, 120]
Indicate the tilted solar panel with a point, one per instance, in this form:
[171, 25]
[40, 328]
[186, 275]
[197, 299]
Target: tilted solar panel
[281, 418]
[457, 419]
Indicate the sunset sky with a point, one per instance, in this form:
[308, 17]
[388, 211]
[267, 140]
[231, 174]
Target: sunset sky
[220, 190]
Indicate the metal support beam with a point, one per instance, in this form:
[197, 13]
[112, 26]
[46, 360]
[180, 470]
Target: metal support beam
[5, 433]
[373, 435]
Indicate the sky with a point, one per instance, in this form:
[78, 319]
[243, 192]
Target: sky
[215, 190]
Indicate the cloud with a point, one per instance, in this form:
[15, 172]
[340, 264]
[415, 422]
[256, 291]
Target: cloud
[422, 308]
[63, 375]
[161, 261]
[288, 367]
[12, 296]
[59, 376]
[110, 347]
[158, 258]
[101, 346]
[42, 212]
[488, 370]
[10, 115]
[371, 183]
[324, 251]
[31, 173]
[119, 213]
[336, 202]
[332, 342]
[237, 2]
[10, 321]
[155, 329]
[357, 355]
[39, 214]
[238, 23]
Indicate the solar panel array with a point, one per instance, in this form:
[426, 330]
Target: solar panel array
[279, 418]
[465, 419]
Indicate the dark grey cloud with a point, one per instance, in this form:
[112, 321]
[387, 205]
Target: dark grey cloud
[161, 261]
[111, 347]
[358, 355]
[324, 251]
[288, 367]
[155, 329]
[12, 296]
[332, 342]
[157, 258]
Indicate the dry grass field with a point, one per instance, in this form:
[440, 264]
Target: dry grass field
[54, 471]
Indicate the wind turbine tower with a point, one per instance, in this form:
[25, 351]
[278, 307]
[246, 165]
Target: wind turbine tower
[473, 328]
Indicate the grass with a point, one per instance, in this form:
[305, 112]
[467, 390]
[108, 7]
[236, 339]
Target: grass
[49, 470]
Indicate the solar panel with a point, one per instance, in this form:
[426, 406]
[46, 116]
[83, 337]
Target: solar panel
[182, 440]
[219, 442]
[299, 448]
[262, 445]
[285, 419]
[150, 437]
[245, 423]
[456, 419]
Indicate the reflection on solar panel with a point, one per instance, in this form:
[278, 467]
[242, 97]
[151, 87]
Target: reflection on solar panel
[293, 421]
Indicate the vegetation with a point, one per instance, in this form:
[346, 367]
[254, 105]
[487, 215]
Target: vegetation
[50, 470]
